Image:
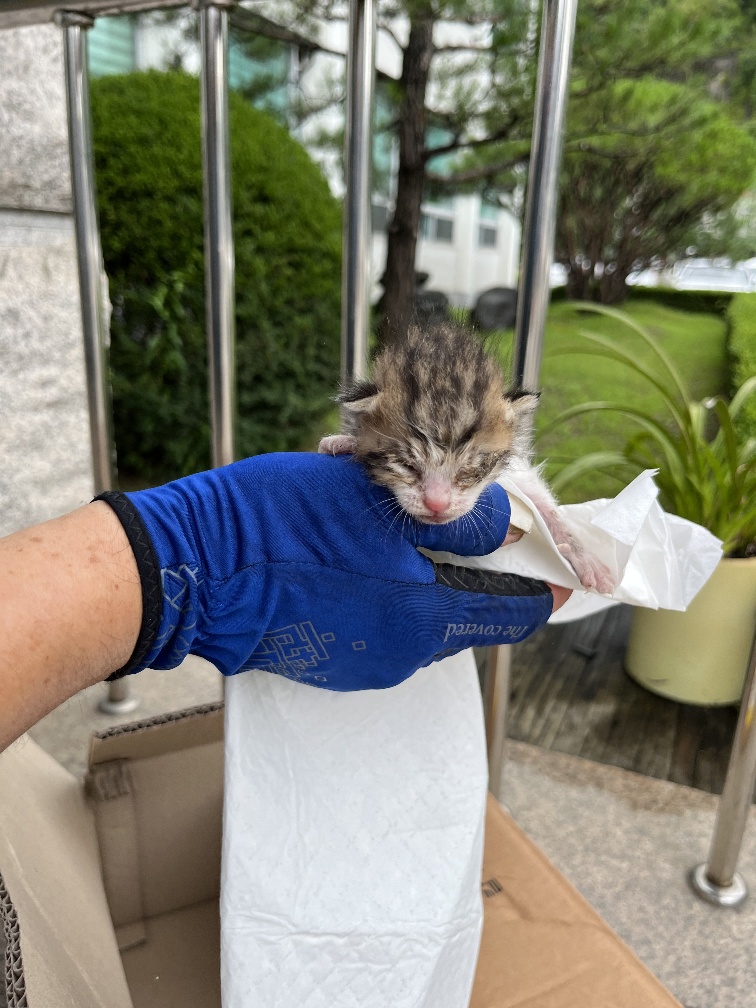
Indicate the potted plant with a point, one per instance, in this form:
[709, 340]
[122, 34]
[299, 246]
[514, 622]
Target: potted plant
[706, 466]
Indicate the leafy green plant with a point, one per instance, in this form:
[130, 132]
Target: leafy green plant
[707, 468]
[287, 244]
[741, 319]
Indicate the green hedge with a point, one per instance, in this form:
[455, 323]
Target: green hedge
[741, 318]
[287, 233]
[713, 302]
[710, 302]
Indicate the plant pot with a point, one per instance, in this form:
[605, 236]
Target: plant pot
[699, 656]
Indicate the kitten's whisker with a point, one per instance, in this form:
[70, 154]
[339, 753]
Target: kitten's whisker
[393, 520]
[404, 519]
[381, 503]
[384, 515]
[387, 506]
[471, 516]
[390, 437]
[490, 507]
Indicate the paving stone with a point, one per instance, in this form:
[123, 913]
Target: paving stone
[627, 843]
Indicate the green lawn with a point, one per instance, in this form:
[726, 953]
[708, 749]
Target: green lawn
[696, 342]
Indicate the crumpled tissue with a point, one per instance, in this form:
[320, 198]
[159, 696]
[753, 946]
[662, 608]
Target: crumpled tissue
[659, 560]
[352, 842]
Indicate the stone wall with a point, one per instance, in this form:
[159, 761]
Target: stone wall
[45, 462]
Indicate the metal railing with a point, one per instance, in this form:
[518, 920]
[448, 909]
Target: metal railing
[539, 226]
[717, 880]
[75, 24]
[219, 239]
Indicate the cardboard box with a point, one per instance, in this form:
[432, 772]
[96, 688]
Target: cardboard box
[109, 896]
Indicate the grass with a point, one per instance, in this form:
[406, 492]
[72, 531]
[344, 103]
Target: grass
[695, 341]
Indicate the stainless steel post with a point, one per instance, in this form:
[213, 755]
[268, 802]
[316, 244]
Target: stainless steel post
[718, 880]
[91, 278]
[89, 253]
[557, 34]
[219, 242]
[355, 287]
[496, 678]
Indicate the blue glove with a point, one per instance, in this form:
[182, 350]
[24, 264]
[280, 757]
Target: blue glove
[299, 565]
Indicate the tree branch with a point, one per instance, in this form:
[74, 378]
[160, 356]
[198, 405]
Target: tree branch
[457, 144]
[474, 174]
[584, 148]
[461, 48]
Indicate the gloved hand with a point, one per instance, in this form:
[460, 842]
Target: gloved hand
[298, 564]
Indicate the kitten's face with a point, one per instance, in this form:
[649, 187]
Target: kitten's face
[431, 482]
[435, 428]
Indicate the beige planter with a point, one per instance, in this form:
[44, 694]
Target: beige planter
[699, 656]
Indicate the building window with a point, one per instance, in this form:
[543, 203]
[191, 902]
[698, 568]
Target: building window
[258, 68]
[380, 217]
[111, 45]
[486, 236]
[433, 228]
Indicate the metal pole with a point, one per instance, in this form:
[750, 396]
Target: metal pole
[355, 288]
[219, 242]
[495, 699]
[91, 278]
[120, 700]
[718, 881]
[557, 34]
[89, 253]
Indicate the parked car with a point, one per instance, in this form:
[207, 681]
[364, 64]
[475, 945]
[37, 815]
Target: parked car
[557, 275]
[645, 278]
[703, 276]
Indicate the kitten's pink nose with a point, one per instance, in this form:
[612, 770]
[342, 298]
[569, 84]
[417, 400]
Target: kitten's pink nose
[436, 496]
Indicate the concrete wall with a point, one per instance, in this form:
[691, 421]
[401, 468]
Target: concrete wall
[45, 464]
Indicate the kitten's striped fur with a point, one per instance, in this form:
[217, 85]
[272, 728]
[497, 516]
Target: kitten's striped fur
[435, 425]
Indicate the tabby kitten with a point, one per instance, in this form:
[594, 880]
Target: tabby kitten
[435, 426]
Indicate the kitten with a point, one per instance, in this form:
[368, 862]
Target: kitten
[435, 426]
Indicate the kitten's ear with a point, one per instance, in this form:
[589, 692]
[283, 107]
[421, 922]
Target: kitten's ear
[362, 397]
[523, 403]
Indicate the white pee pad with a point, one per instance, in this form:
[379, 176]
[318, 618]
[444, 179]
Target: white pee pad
[659, 560]
[352, 842]
[353, 822]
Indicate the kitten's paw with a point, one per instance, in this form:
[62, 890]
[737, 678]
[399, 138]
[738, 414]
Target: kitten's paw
[337, 444]
[591, 572]
[514, 535]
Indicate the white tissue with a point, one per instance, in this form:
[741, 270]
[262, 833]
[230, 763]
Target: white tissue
[659, 561]
[352, 844]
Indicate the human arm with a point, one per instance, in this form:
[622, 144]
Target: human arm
[71, 594]
[70, 612]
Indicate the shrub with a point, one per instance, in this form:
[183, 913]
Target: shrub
[741, 318]
[287, 236]
[708, 302]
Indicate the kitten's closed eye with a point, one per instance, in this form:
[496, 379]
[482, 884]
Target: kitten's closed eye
[484, 469]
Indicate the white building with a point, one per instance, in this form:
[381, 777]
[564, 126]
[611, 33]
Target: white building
[466, 246]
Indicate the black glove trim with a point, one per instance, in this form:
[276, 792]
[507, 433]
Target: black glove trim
[149, 575]
[487, 582]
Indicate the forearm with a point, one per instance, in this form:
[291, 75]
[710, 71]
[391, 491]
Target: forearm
[70, 612]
